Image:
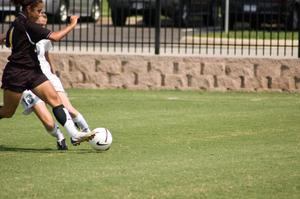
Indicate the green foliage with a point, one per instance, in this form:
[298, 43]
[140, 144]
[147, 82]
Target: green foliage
[105, 8]
[167, 144]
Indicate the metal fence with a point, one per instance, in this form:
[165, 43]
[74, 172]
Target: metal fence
[206, 27]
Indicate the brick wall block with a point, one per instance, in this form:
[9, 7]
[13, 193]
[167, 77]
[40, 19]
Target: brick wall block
[283, 83]
[162, 66]
[239, 69]
[109, 66]
[290, 70]
[229, 83]
[205, 82]
[211, 68]
[192, 68]
[174, 82]
[268, 69]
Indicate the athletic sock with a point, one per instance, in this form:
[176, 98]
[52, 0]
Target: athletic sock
[63, 117]
[55, 132]
[81, 123]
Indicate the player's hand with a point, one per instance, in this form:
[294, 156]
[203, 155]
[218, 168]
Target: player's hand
[74, 19]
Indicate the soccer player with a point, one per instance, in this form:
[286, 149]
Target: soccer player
[23, 68]
[31, 102]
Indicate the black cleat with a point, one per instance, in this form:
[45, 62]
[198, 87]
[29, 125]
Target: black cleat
[61, 145]
[74, 143]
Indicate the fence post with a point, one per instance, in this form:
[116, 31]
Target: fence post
[226, 16]
[157, 26]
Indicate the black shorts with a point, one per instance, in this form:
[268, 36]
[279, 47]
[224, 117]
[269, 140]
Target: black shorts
[18, 78]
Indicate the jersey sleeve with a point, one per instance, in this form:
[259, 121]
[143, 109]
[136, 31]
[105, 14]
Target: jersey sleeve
[36, 32]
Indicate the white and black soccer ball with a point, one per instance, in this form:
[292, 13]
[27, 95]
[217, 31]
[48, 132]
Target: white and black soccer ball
[102, 140]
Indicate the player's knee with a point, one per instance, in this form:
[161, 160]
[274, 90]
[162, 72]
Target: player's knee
[54, 101]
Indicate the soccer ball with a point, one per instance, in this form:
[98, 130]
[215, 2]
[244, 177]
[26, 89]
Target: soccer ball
[102, 139]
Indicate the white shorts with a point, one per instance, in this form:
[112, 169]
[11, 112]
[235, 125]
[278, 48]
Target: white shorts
[28, 100]
[55, 81]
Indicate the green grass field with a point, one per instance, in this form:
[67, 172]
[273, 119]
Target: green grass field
[167, 144]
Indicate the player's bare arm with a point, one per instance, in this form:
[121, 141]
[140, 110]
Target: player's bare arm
[58, 35]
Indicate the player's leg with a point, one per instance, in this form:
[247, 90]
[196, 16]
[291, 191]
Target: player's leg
[46, 92]
[31, 103]
[42, 112]
[66, 102]
[78, 119]
[11, 101]
[44, 115]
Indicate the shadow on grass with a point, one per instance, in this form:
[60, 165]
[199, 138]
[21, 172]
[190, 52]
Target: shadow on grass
[4, 148]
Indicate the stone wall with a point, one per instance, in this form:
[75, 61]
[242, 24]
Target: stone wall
[173, 72]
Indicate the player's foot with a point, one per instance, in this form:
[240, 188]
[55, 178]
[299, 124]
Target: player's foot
[61, 145]
[82, 137]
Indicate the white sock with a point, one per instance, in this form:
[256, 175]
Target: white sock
[81, 123]
[63, 117]
[56, 133]
[69, 125]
